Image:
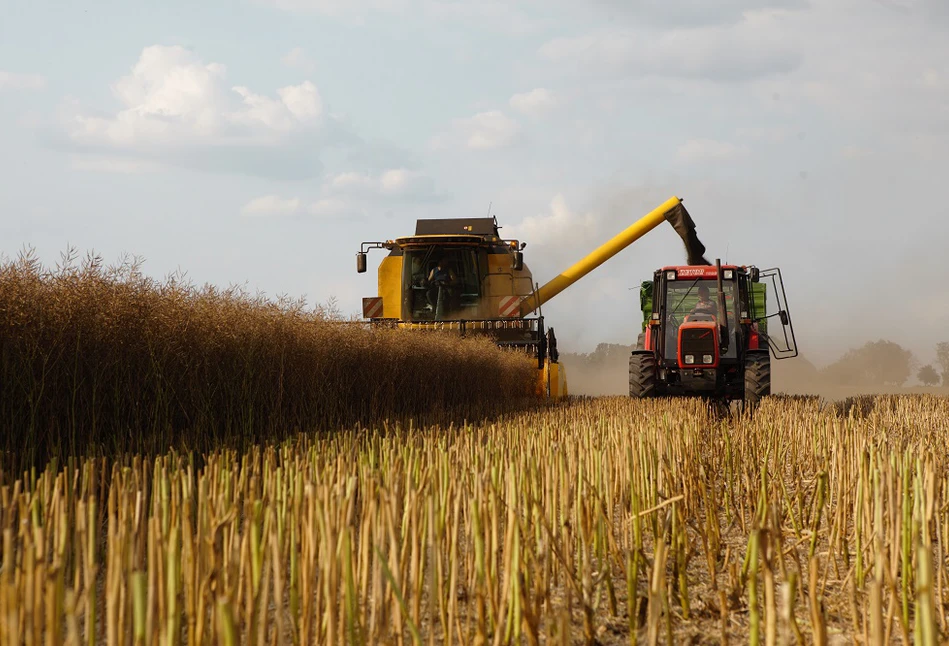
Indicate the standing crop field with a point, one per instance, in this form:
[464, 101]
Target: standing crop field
[100, 360]
[603, 521]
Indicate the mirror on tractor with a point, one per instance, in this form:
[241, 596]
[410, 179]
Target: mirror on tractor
[518, 261]
[361, 262]
[783, 315]
[755, 274]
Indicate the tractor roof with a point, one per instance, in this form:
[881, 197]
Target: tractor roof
[448, 226]
[444, 239]
[698, 271]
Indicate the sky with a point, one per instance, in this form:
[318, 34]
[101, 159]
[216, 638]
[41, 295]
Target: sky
[258, 142]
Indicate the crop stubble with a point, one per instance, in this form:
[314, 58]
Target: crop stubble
[804, 525]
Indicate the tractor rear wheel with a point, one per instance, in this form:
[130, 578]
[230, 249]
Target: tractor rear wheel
[757, 378]
[642, 375]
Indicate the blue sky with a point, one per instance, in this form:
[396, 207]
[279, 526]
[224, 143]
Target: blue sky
[259, 142]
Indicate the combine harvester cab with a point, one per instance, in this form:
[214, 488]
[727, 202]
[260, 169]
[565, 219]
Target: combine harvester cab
[460, 275]
[706, 333]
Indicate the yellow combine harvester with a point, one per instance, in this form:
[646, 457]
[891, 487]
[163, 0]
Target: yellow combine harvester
[461, 275]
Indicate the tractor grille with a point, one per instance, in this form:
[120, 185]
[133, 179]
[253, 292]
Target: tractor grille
[698, 342]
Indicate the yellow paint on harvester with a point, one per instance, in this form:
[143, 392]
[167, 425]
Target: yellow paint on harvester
[390, 286]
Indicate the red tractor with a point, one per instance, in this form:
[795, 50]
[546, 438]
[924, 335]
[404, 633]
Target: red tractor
[705, 334]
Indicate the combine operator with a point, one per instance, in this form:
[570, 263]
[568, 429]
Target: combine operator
[442, 279]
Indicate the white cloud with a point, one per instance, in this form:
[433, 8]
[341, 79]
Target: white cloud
[855, 153]
[14, 81]
[106, 164]
[484, 131]
[171, 97]
[708, 150]
[933, 79]
[400, 181]
[890, 81]
[500, 15]
[728, 53]
[297, 58]
[329, 207]
[535, 102]
[322, 207]
[341, 8]
[177, 109]
[769, 134]
[271, 205]
[350, 183]
[351, 192]
[393, 183]
[560, 227]
[691, 12]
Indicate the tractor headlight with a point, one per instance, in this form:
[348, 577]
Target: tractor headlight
[670, 275]
[706, 358]
[690, 358]
[728, 274]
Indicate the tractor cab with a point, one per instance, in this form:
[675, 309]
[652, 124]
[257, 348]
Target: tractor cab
[442, 281]
[452, 269]
[694, 318]
[705, 332]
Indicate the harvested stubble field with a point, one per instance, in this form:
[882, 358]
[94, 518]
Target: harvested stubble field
[596, 521]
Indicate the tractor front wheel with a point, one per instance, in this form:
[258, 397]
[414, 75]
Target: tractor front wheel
[757, 378]
[642, 375]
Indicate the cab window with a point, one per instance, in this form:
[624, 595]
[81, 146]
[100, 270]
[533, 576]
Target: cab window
[464, 266]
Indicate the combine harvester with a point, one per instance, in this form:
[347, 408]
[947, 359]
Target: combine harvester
[459, 274]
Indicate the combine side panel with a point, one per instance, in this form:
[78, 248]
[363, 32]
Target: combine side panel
[551, 381]
[558, 380]
[390, 286]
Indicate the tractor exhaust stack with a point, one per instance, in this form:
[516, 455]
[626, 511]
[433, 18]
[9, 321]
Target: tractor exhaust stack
[723, 324]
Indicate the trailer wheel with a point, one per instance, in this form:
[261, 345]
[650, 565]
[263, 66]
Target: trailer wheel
[642, 375]
[757, 378]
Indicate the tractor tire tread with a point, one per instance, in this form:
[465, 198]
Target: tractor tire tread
[757, 378]
[642, 375]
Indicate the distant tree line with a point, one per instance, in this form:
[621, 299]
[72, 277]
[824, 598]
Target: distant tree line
[931, 375]
[604, 353]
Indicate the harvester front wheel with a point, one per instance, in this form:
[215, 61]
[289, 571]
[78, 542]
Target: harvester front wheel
[757, 378]
[642, 375]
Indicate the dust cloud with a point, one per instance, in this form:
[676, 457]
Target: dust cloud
[606, 372]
